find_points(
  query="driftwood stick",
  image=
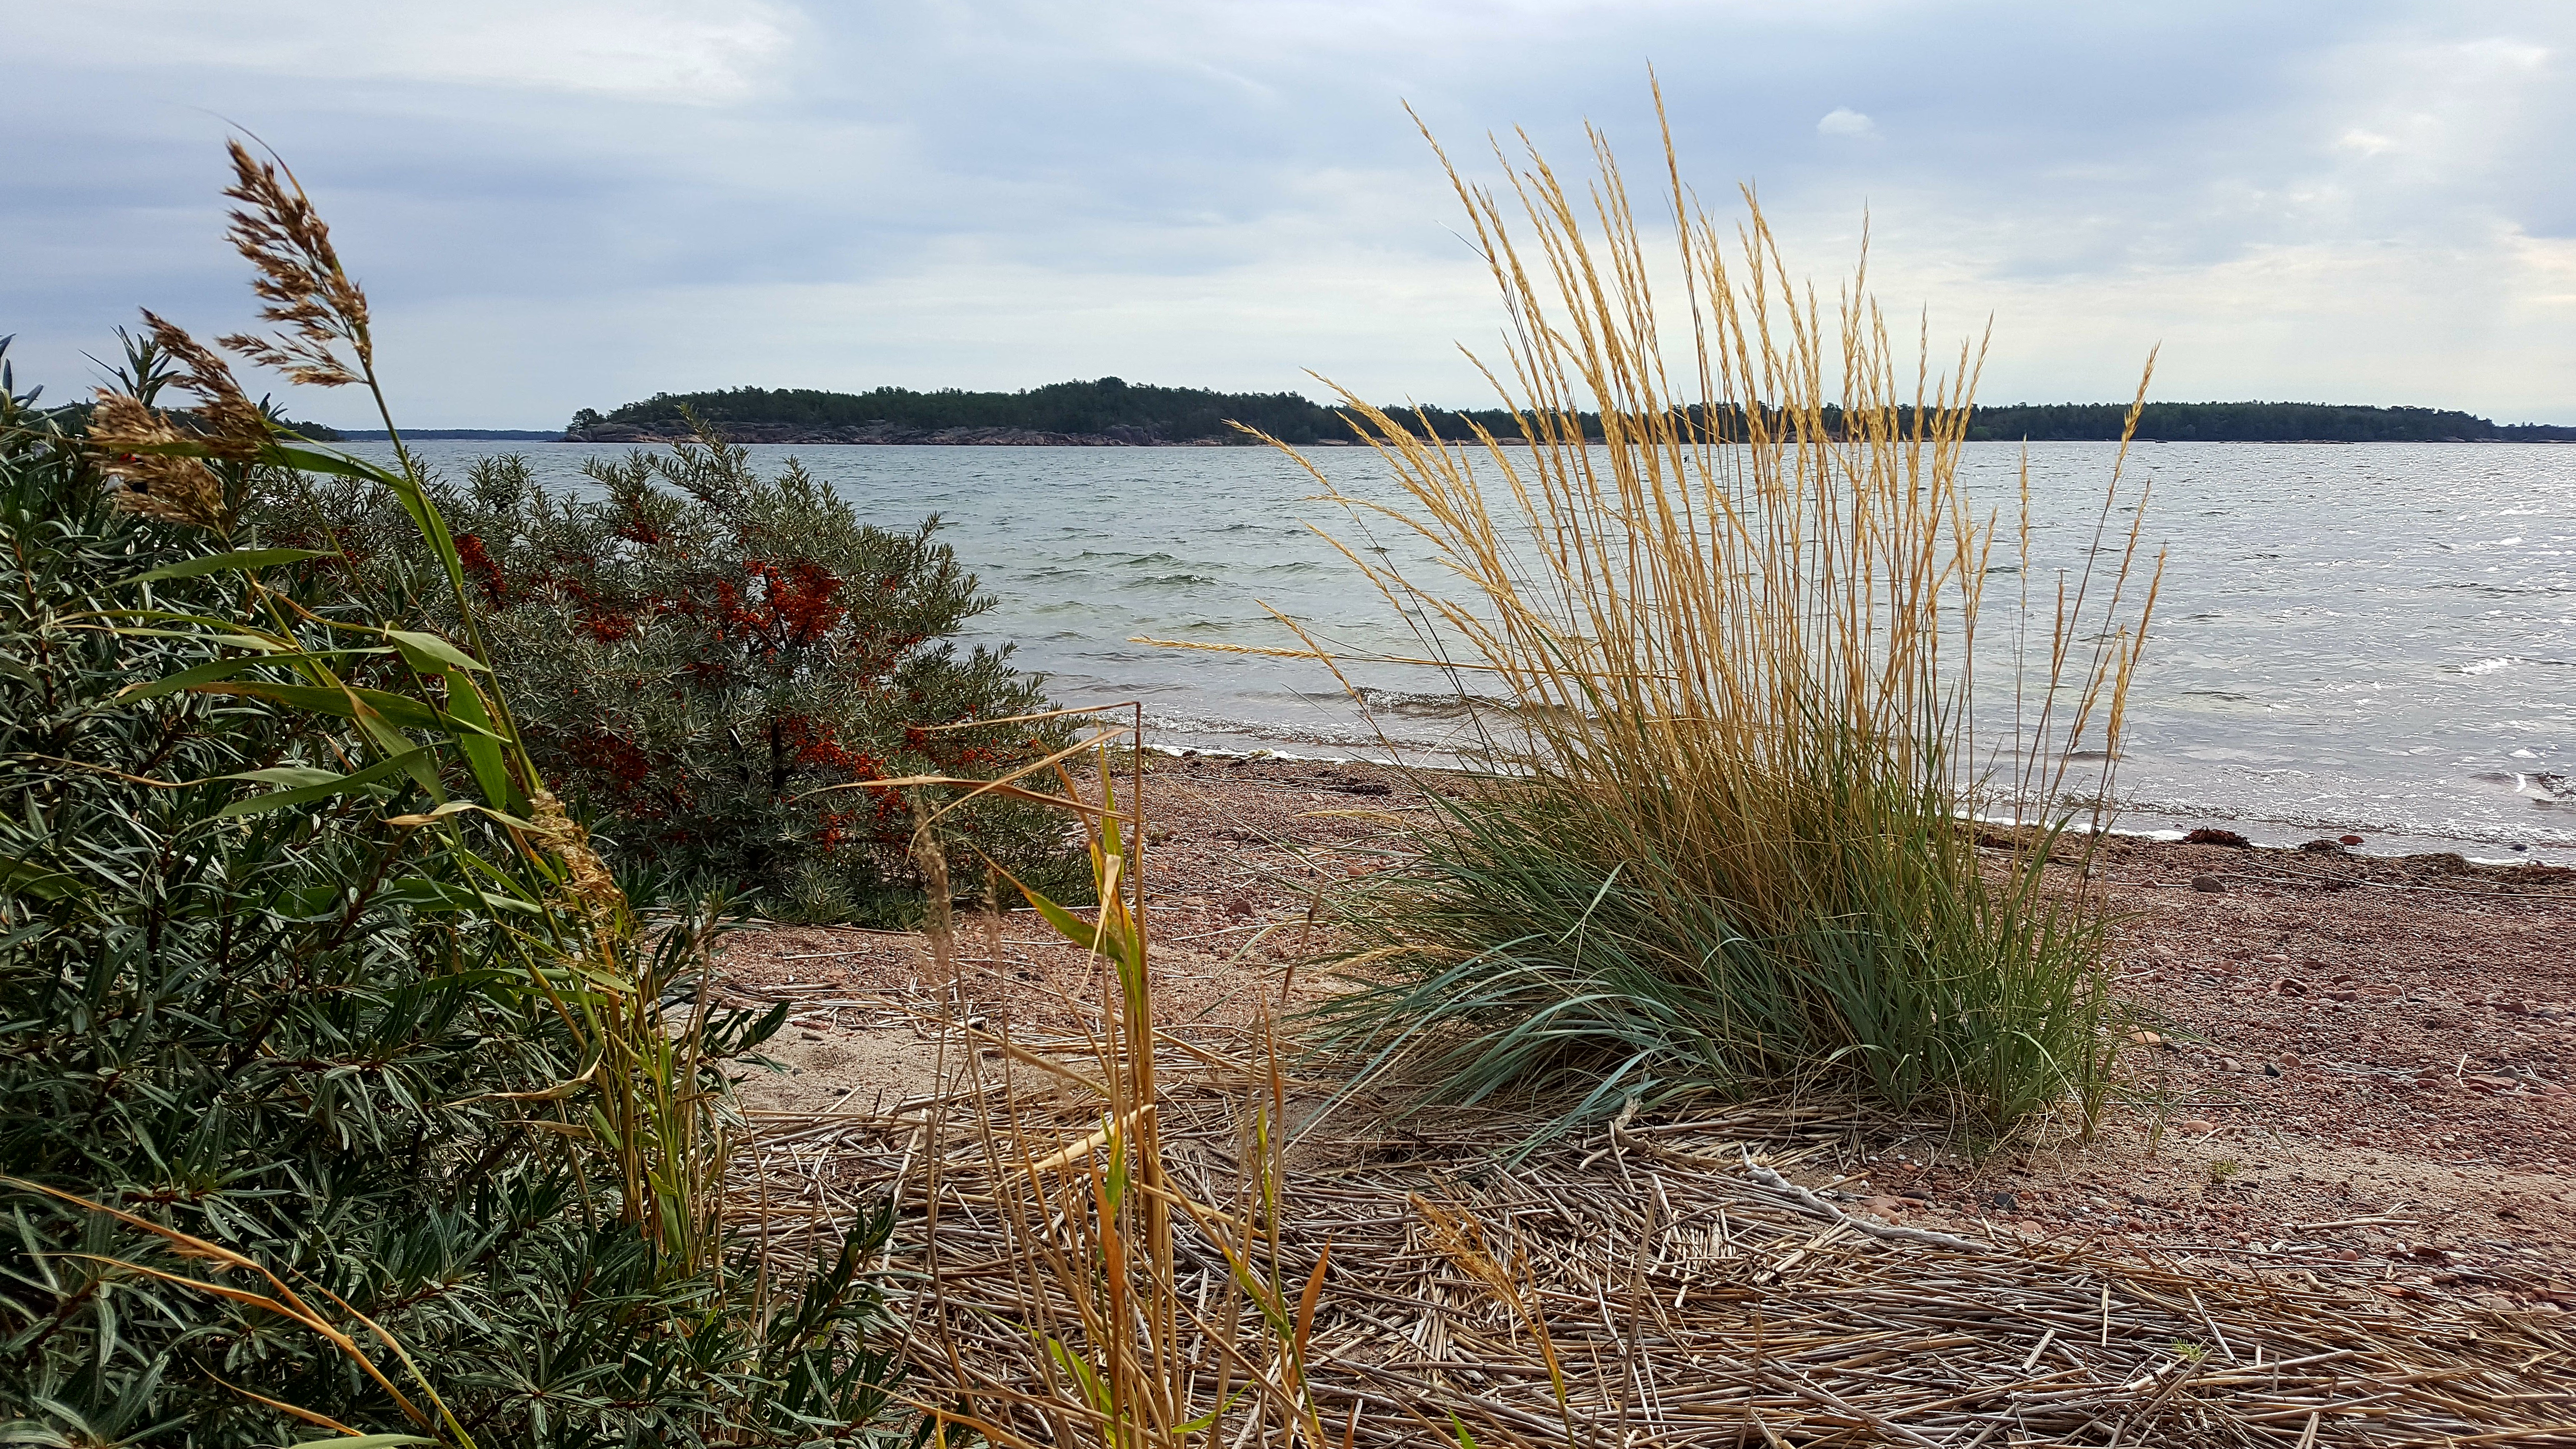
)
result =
(1765, 1177)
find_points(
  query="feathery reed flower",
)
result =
(137, 440)
(592, 884)
(156, 485)
(298, 275)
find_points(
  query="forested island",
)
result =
(1102, 412)
(2252, 422)
(1109, 412)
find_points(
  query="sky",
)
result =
(556, 204)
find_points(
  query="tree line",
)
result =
(1089, 408)
(1185, 414)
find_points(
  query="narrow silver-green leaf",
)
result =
(247, 558)
(325, 788)
(430, 654)
(189, 678)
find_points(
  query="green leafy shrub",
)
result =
(336, 1092)
(700, 649)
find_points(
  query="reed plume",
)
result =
(297, 274)
(162, 464)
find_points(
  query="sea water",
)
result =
(2372, 639)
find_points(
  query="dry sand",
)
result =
(2350, 1065)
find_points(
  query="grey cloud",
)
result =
(1202, 192)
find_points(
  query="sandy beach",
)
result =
(2351, 1065)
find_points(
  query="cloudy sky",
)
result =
(567, 203)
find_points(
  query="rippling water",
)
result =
(2376, 639)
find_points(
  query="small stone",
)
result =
(2209, 885)
(2230, 1064)
(2197, 1126)
(2348, 840)
(2143, 1037)
(2289, 1060)
(2290, 986)
(1887, 1207)
(2002, 1202)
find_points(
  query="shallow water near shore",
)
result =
(2371, 639)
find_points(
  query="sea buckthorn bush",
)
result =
(336, 1089)
(703, 652)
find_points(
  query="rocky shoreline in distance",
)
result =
(1116, 436)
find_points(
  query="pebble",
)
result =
(2209, 885)
(2195, 1125)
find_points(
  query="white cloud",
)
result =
(1844, 121)
(646, 49)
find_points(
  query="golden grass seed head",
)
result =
(593, 887)
(156, 485)
(232, 424)
(298, 276)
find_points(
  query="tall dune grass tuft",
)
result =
(1725, 849)
(1099, 1292)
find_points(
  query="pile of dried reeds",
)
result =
(1659, 1283)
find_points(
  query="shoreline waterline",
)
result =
(2263, 835)
(2377, 641)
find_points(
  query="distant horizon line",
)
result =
(497, 434)
(536, 434)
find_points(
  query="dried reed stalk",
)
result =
(1637, 1287)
